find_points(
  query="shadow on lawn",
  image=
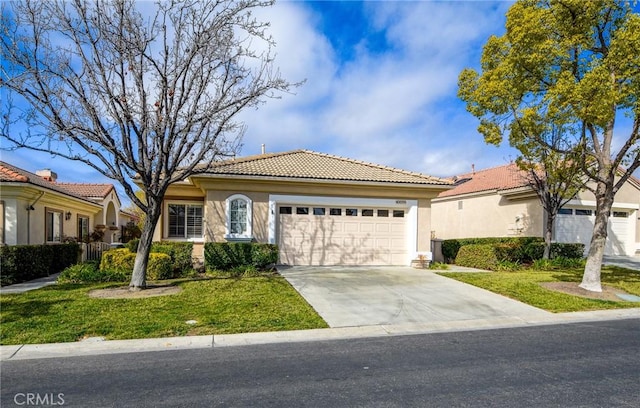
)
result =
(17, 308)
(609, 274)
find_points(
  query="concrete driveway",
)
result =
(628, 262)
(364, 296)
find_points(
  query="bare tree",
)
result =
(135, 90)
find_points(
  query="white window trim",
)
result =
(227, 227)
(165, 231)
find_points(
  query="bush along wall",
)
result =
(482, 256)
(122, 260)
(180, 253)
(490, 256)
(450, 247)
(229, 255)
(21, 263)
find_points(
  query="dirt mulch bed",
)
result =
(126, 293)
(572, 288)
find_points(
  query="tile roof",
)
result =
(13, 174)
(306, 164)
(87, 190)
(497, 178)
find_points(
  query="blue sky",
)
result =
(381, 83)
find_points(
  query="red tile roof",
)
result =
(13, 174)
(8, 173)
(497, 178)
(87, 190)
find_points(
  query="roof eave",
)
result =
(431, 186)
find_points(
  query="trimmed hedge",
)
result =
(180, 253)
(450, 247)
(482, 256)
(122, 260)
(21, 263)
(514, 249)
(89, 272)
(229, 255)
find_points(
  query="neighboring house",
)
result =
(36, 209)
(320, 209)
(498, 202)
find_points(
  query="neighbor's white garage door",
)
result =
(576, 225)
(323, 235)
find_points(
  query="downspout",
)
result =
(29, 209)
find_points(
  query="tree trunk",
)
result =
(139, 276)
(604, 202)
(548, 234)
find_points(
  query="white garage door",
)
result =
(576, 225)
(324, 235)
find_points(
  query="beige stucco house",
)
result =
(320, 209)
(498, 202)
(36, 209)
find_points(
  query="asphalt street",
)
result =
(593, 364)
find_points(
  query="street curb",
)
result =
(90, 348)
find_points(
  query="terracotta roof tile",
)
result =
(497, 178)
(306, 164)
(9, 174)
(13, 174)
(87, 190)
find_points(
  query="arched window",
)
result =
(239, 217)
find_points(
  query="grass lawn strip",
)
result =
(525, 286)
(65, 313)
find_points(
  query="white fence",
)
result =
(93, 250)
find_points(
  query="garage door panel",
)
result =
(397, 228)
(579, 228)
(380, 227)
(367, 227)
(341, 240)
(350, 227)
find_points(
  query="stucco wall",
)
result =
(216, 218)
(24, 226)
(486, 216)
(217, 191)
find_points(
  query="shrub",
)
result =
(132, 245)
(90, 272)
(507, 266)
(229, 255)
(450, 247)
(122, 260)
(159, 267)
(180, 253)
(480, 256)
(572, 251)
(438, 266)
(20, 263)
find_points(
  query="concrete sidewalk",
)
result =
(97, 347)
(30, 285)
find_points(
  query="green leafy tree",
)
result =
(556, 179)
(574, 64)
(134, 89)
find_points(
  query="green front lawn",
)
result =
(64, 313)
(525, 287)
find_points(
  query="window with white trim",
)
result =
(185, 220)
(53, 225)
(239, 217)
